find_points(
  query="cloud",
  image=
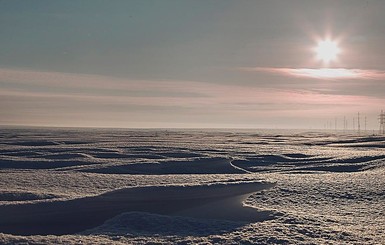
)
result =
(106, 89)
(55, 98)
(321, 73)
(87, 86)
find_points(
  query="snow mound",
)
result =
(212, 201)
(10, 196)
(141, 223)
(196, 166)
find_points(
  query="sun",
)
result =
(327, 50)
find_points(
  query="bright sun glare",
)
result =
(327, 50)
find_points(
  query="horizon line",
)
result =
(177, 128)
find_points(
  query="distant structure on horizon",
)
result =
(359, 124)
(381, 119)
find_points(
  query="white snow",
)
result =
(329, 188)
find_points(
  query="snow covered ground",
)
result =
(115, 186)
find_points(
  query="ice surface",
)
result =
(329, 188)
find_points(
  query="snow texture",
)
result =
(187, 187)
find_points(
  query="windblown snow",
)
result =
(116, 186)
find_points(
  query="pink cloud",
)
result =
(322, 73)
(204, 94)
(85, 94)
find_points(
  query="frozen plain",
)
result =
(66, 186)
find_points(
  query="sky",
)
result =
(191, 64)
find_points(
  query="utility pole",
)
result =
(354, 124)
(358, 123)
(335, 124)
(347, 126)
(381, 120)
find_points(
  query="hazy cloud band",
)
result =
(321, 73)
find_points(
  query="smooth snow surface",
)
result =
(190, 186)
